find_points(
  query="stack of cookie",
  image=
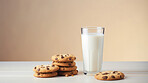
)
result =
(44, 71)
(66, 64)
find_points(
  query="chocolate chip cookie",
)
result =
(67, 68)
(64, 63)
(109, 75)
(63, 58)
(45, 68)
(45, 75)
(68, 73)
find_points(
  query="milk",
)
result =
(92, 46)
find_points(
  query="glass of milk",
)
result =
(92, 49)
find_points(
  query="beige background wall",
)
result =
(37, 29)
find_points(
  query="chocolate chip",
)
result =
(38, 73)
(69, 64)
(65, 55)
(63, 68)
(115, 72)
(121, 77)
(104, 77)
(105, 73)
(97, 74)
(53, 65)
(57, 55)
(34, 67)
(53, 61)
(71, 73)
(118, 73)
(38, 69)
(56, 58)
(47, 68)
(62, 57)
(75, 58)
(113, 76)
(69, 58)
(42, 67)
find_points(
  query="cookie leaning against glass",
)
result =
(44, 71)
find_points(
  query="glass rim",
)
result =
(92, 27)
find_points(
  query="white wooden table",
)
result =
(21, 72)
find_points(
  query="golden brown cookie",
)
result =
(64, 63)
(45, 75)
(68, 73)
(67, 68)
(45, 68)
(109, 75)
(63, 58)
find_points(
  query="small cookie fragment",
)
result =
(45, 68)
(66, 75)
(45, 75)
(109, 75)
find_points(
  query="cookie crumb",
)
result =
(66, 75)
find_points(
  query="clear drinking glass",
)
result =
(92, 49)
